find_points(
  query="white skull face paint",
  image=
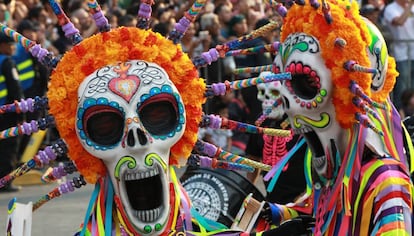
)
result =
(129, 115)
(378, 56)
(307, 97)
(269, 95)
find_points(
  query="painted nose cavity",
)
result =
(134, 138)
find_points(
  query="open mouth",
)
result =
(143, 192)
(319, 159)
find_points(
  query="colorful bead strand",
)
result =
(182, 25)
(207, 162)
(354, 66)
(25, 105)
(213, 54)
(55, 173)
(71, 32)
(41, 54)
(272, 48)
(28, 128)
(42, 157)
(280, 9)
(67, 187)
(256, 69)
(210, 150)
(144, 14)
(100, 20)
(357, 90)
(217, 122)
(217, 89)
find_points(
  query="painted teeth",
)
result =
(148, 215)
(142, 174)
(320, 164)
(302, 130)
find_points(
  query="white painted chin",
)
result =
(145, 197)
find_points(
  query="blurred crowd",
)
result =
(219, 21)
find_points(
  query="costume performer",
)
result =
(338, 99)
(150, 92)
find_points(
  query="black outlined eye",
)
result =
(159, 114)
(103, 124)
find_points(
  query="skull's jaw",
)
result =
(144, 194)
(320, 160)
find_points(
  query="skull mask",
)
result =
(268, 94)
(308, 95)
(130, 115)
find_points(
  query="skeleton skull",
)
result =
(307, 97)
(130, 115)
(269, 95)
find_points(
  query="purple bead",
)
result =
(182, 25)
(276, 45)
(100, 20)
(205, 161)
(210, 149)
(27, 128)
(69, 29)
(219, 89)
(215, 122)
(282, 11)
(210, 56)
(30, 103)
(59, 171)
(145, 10)
(23, 106)
(38, 52)
(66, 187)
(34, 126)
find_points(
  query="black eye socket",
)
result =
(159, 114)
(304, 86)
(103, 125)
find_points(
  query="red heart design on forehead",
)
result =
(125, 86)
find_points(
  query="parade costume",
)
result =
(150, 91)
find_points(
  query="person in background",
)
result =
(407, 102)
(10, 90)
(399, 17)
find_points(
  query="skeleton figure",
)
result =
(337, 105)
(274, 150)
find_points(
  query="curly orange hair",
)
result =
(108, 48)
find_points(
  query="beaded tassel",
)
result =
(210, 150)
(354, 66)
(213, 54)
(256, 69)
(182, 25)
(217, 122)
(28, 128)
(41, 54)
(98, 15)
(25, 105)
(357, 90)
(326, 9)
(361, 104)
(67, 187)
(217, 89)
(144, 14)
(203, 161)
(364, 120)
(55, 173)
(71, 32)
(280, 9)
(272, 48)
(43, 157)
